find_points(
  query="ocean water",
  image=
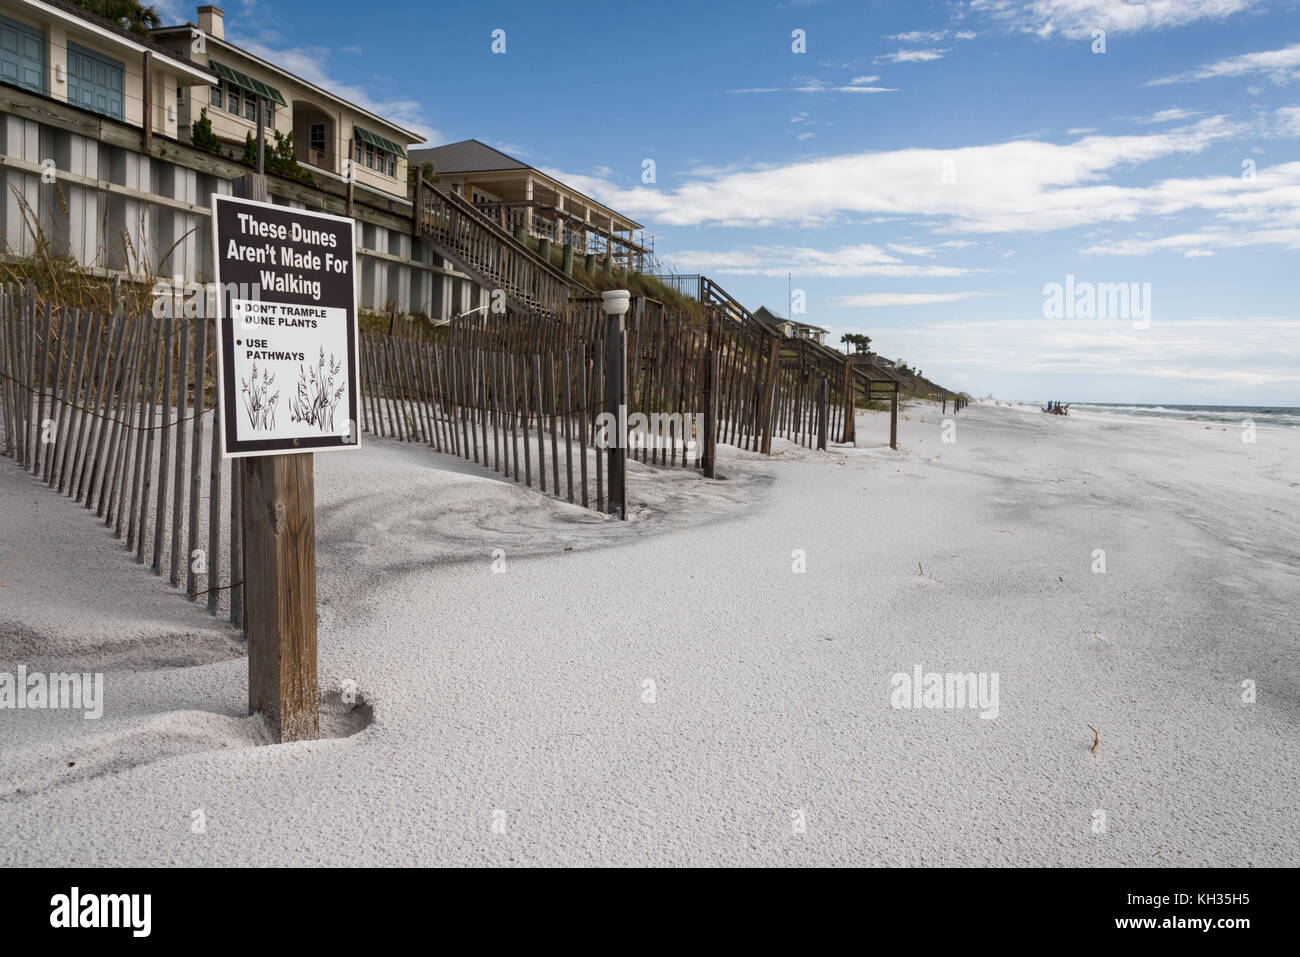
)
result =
(1264, 416)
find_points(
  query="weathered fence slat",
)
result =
(196, 460)
(178, 469)
(165, 443)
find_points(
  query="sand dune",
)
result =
(670, 691)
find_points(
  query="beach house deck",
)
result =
(526, 201)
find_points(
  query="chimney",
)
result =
(212, 22)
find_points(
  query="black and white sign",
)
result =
(286, 328)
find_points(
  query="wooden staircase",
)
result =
(481, 249)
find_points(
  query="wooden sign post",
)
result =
(616, 302)
(288, 385)
(280, 593)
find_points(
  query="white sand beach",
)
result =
(669, 691)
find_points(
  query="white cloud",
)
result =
(918, 36)
(911, 250)
(1288, 121)
(1018, 186)
(816, 86)
(871, 300)
(1197, 243)
(1076, 19)
(912, 56)
(864, 259)
(861, 80)
(1244, 353)
(1167, 116)
(1281, 66)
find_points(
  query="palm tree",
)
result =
(128, 14)
(861, 342)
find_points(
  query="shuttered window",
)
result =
(96, 82)
(22, 55)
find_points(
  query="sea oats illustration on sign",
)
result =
(259, 402)
(317, 396)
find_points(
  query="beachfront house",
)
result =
(98, 163)
(56, 53)
(528, 202)
(790, 328)
(327, 130)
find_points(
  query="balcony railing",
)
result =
(481, 247)
(321, 159)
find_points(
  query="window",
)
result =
(316, 137)
(250, 108)
(217, 97)
(376, 153)
(22, 55)
(96, 82)
(232, 101)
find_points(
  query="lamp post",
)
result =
(616, 302)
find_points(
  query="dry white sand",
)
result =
(669, 691)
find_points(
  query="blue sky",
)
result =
(922, 171)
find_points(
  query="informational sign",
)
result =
(288, 376)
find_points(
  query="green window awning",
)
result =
(245, 82)
(378, 142)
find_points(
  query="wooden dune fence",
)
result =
(118, 414)
(523, 395)
(813, 395)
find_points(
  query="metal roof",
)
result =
(766, 315)
(472, 156)
(467, 156)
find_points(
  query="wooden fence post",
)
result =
(893, 418)
(823, 412)
(616, 303)
(850, 405)
(279, 546)
(765, 416)
(710, 436)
